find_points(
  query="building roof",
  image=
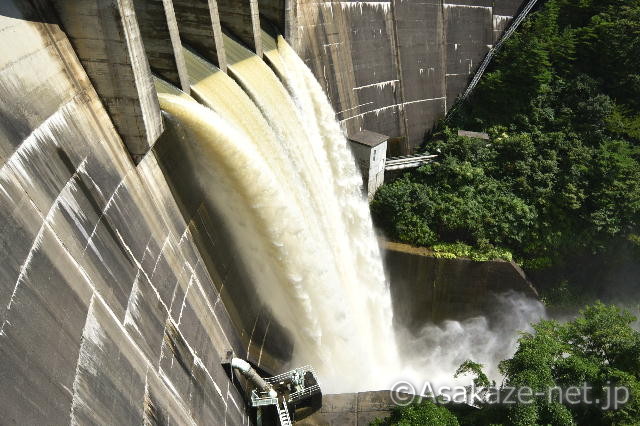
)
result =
(368, 138)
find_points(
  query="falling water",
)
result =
(274, 163)
(435, 354)
(283, 178)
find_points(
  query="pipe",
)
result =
(245, 368)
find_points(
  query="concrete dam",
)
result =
(177, 191)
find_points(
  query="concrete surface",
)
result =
(120, 292)
(161, 38)
(108, 314)
(426, 289)
(370, 152)
(199, 25)
(395, 67)
(241, 19)
(350, 409)
(106, 38)
(264, 341)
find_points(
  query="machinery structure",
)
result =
(280, 391)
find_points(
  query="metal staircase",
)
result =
(283, 414)
(291, 387)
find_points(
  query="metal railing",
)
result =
(408, 161)
(258, 401)
(281, 377)
(304, 393)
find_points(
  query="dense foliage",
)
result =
(561, 171)
(599, 348)
(423, 413)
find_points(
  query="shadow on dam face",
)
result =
(269, 344)
(27, 11)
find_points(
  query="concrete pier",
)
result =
(274, 12)
(199, 24)
(393, 67)
(241, 19)
(159, 30)
(106, 38)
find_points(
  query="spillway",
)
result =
(274, 164)
(144, 248)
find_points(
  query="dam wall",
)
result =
(264, 341)
(121, 295)
(395, 67)
(161, 40)
(109, 313)
(199, 27)
(108, 43)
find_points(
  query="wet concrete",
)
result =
(106, 38)
(120, 293)
(350, 409)
(107, 312)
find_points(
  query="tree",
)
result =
(419, 414)
(598, 351)
(599, 348)
(560, 176)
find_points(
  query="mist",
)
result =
(435, 352)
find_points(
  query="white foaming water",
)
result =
(354, 209)
(297, 208)
(333, 329)
(436, 351)
(277, 166)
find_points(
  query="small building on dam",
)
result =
(370, 152)
(124, 295)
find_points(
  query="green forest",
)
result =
(559, 178)
(560, 174)
(599, 348)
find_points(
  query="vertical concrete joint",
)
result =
(174, 35)
(290, 25)
(106, 39)
(161, 40)
(255, 24)
(217, 35)
(200, 29)
(405, 146)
